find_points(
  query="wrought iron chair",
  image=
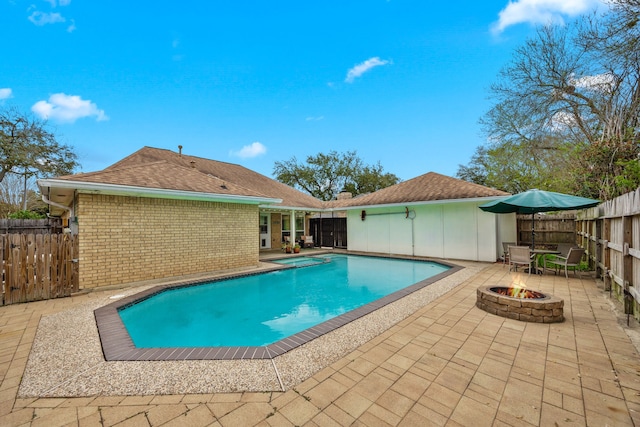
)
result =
(572, 259)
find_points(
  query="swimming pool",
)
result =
(262, 315)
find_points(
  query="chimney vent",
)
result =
(180, 150)
(344, 195)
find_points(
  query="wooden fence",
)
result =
(38, 266)
(30, 226)
(611, 235)
(550, 229)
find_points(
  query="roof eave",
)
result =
(134, 191)
(416, 203)
(292, 208)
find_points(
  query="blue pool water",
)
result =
(264, 308)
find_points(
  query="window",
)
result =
(264, 224)
(286, 226)
(299, 227)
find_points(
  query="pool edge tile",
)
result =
(117, 345)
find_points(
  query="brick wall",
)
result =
(128, 239)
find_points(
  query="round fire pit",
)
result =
(516, 292)
(520, 304)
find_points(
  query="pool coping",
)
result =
(117, 345)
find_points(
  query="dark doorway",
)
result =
(329, 232)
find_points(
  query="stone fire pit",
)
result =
(520, 304)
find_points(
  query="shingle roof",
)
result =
(166, 176)
(163, 169)
(228, 172)
(428, 187)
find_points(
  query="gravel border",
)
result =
(66, 358)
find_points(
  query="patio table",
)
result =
(538, 253)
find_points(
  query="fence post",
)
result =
(627, 263)
(607, 253)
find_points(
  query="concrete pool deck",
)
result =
(445, 363)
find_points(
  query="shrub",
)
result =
(26, 215)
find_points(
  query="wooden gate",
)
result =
(38, 266)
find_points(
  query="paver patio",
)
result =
(449, 363)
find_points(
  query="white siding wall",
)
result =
(507, 229)
(448, 230)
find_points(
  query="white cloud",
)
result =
(562, 120)
(41, 18)
(5, 93)
(314, 119)
(67, 108)
(541, 12)
(249, 151)
(363, 67)
(599, 82)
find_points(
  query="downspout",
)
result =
(58, 205)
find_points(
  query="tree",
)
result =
(12, 195)
(326, 175)
(27, 147)
(567, 90)
(514, 167)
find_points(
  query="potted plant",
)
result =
(296, 248)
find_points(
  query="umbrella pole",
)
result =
(533, 231)
(533, 243)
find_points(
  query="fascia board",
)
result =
(292, 208)
(430, 202)
(125, 190)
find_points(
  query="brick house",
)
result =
(159, 213)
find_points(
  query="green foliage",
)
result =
(370, 179)
(607, 169)
(27, 147)
(325, 175)
(26, 215)
(629, 178)
(517, 167)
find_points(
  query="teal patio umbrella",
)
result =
(535, 201)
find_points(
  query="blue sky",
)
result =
(401, 82)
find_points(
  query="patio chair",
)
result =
(505, 251)
(563, 248)
(572, 259)
(520, 255)
(308, 241)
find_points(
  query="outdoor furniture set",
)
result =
(556, 259)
